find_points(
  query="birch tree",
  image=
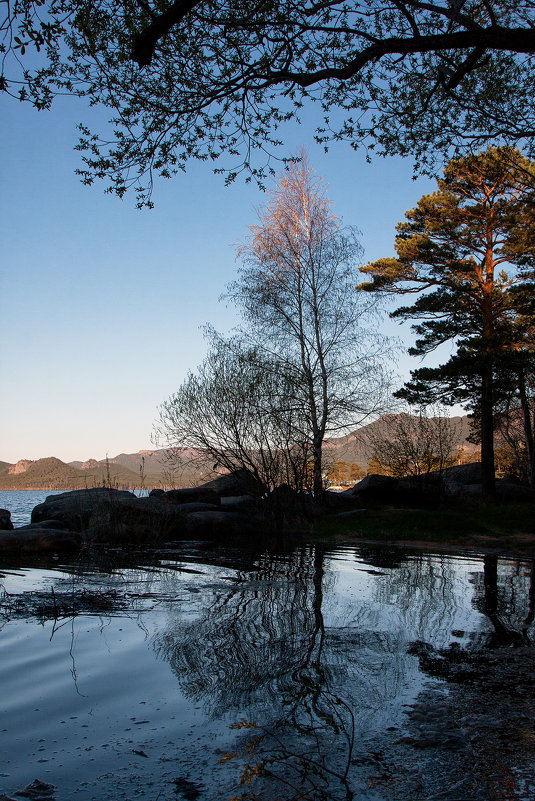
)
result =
(295, 290)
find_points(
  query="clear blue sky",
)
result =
(102, 304)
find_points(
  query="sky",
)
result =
(102, 305)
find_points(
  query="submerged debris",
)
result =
(186, 789)
(38, 791)
(52, 605)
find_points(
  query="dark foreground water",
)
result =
(133, 676)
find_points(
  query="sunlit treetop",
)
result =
(216, 81)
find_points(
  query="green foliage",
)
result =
(217, 81)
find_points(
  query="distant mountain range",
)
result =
(145, 469)
(149, 469)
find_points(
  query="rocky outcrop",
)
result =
(90, 464)
(372, 489)
(220, 524)
(460, 481)
(376, 490)
(287, 505)
(37, 539)
(124, 517)
(114, 516)
(20, 467)
(5, 520)
(240, 482)
(191, 495)
(74, 509)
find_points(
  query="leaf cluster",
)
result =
(216, 81)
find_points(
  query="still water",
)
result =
(138, 674)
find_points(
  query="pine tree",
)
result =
(468, 252)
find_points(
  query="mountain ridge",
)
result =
(147, 469)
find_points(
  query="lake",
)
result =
(135, 675)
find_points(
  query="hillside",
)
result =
(149, 469)
(357, 446)
(53, 474)
(154, 462)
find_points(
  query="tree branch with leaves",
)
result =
(217, 81)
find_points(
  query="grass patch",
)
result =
(446, 524)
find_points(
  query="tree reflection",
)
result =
(505, 594)
(308, 680)
(258, 651)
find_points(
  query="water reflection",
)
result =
(260, 651)
(306, 652)
(505, 594)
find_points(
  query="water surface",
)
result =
(164, 663)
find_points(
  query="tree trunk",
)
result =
(528, 428)
(317, 481)
(488, 478)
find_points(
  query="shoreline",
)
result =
(504, 529)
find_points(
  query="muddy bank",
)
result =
(471, 739)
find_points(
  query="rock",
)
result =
(56, 524)
(237, 502)
(33, 539)
(239, 482)
(149, 519)
(190, 495)
(120, 533)
(38, 791)
(5, 520)
(374, 490)
(21, 467)
(412, 491)
(461, 473)
(287, 504)
(507, 490)
(219, 524)
(91, 464)
(341, 501)
(75, 508)
(188, 508)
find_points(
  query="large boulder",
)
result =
(461, 473)
(34, 539)
(223, 525)
(189, 495)
(123, 519)
(239, 482)
(513, 491)
(74, 509)
(374, 490)
(286, 505)
(238, 503)
(5, 520)
(411, 491)
(464, 480)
